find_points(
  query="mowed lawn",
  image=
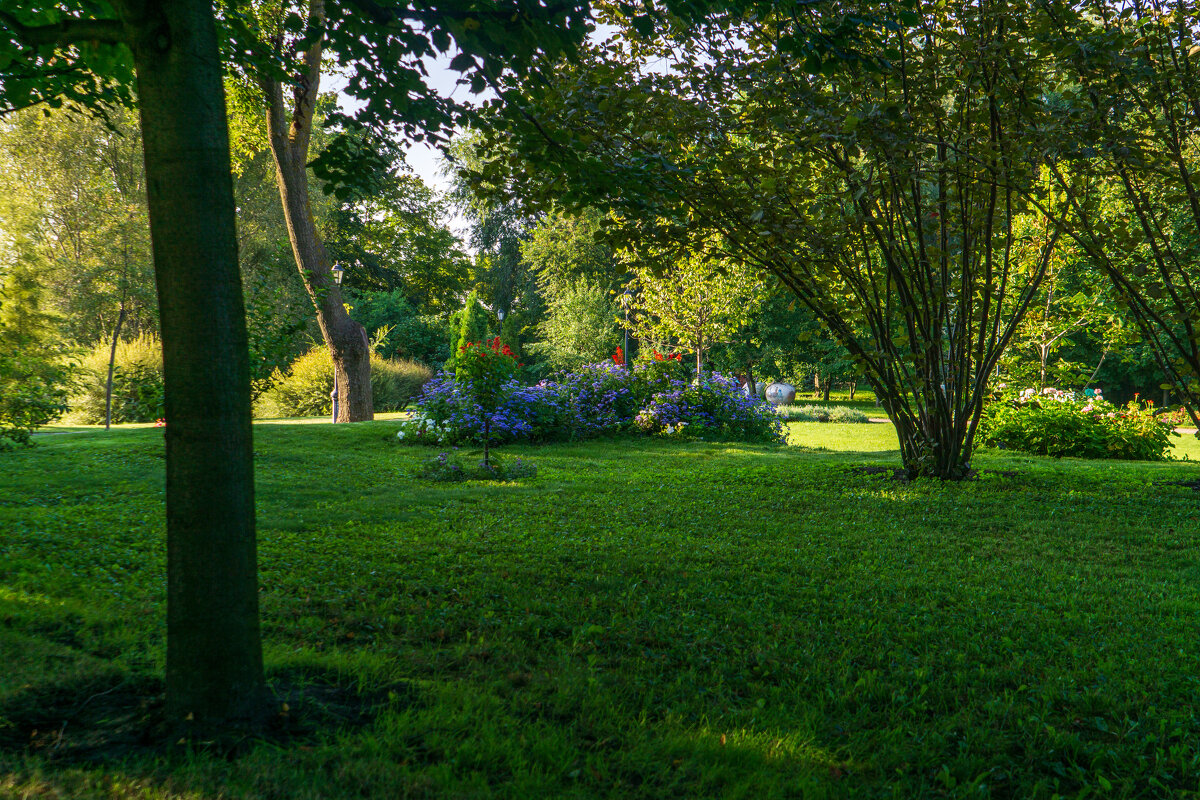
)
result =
(642, 619)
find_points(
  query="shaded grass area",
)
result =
(642, 619)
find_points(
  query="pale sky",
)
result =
(426, 161)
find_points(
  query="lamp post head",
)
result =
(500, 314)
(338, 271)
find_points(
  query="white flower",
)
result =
(400, 435)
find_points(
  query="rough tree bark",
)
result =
(214, 652)
(289, 131)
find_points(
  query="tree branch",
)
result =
(68, 31)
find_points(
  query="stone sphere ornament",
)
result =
(781, 394)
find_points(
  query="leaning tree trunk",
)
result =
(214, 651)
(112, 364)
(289, 132)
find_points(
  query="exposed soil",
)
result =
(111, 718)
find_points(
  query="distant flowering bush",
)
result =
(596, 400)
(1054, 422)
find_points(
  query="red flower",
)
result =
(658, 356)
(619, 357)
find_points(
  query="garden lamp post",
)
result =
(338, 271)
(628, 295)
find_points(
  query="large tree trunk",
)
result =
(289, 133)
(214, 651)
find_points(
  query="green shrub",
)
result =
(410, 335)
(33, 392)
(1057, 423)
(304, 389)
(579, 328)
(396, 381)
(137, 392)
(821, 414)
(35, 373)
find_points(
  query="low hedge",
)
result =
(1060, 423)
(303, 389)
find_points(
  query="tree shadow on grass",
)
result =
(112, 717)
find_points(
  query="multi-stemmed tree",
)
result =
(1127, 159)
(876, 159)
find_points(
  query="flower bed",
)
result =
(598, 400)
(1060, 423)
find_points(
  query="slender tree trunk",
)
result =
(289, 132)
(750, 384)
(214, 652)
(853, 388)
(825, 389)
(112, 362)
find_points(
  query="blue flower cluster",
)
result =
(596, 400)
(714, 404)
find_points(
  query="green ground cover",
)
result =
(642, 619)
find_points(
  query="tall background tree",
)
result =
(694, 300)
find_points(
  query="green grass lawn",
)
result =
(642, 619)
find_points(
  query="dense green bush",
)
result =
(410, 335)
(304, 389)
(821, 414)
(1057, 423)
(580, 327)
(33, 392)
(137, 393)
(35, 373)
